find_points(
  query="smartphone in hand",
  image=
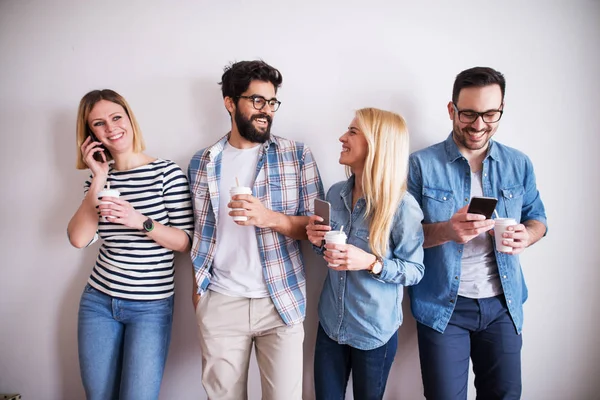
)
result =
(323, 210)
(482, 205)
(97, 156)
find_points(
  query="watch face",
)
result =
(377, 268)
(148, 225)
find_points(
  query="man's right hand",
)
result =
(464, 227)
(315, 232)
(195, 300)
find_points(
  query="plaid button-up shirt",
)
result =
(287, 181)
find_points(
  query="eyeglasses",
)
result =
(470, 116)
(259, 102)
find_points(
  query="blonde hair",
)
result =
(86, 105)
(384, 178)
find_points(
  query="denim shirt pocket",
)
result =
(512, 199)
(438, 204)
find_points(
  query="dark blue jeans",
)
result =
(370, 368)
(482, 330)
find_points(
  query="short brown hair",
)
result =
(86, 105)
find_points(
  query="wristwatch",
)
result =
(376, 267)
(148, 225)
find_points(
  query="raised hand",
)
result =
(316, 232)
(88, 149)
(463, 227)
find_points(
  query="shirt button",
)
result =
(456, 277)
(460, 251)
(443, 198)
(504, 276)
(451, 301)
(510, 195)
(466, 199)
(509, 301)
(484, 174)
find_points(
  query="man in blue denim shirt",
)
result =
(470, 301)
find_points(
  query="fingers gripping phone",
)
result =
(323, 210)
(482, 205)
(97, 155)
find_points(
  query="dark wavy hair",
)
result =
(237, 77)
(477, 77)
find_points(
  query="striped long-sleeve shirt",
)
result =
(287, 181)
(130, 265)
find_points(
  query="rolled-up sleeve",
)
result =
(405, 266)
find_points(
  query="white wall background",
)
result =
(336, 56)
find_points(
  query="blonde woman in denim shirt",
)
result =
(360, 306)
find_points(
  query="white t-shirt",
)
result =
(237, 268)
(479, 272)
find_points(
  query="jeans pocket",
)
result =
(165, 305)
(202, 303)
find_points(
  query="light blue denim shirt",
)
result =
(440, 180)
(357, 308)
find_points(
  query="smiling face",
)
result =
(474, 137)
(252, 124)
(111, 126)
(354, 148)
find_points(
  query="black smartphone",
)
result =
(323, 210)
(482, 205)
(97, 155)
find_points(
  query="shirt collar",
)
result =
(346, 192)
(218, 147)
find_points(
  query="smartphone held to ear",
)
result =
(482, 205)
(323, 210)
(97, 155)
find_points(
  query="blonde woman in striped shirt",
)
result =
(126, 309)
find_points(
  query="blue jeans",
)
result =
(482, 330)
(370, 368)
(123, 345)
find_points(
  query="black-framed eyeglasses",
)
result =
(470, 116)
(259, 102)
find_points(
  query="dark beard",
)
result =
(248, 131)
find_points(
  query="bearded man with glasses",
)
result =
(249, 282)
(469, 303)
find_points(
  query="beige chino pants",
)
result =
(228, 327)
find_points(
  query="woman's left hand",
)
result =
(347, 257)
(121, 212)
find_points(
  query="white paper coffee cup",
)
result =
(108, 193)
(335, 237)
(239, 190)
(499, 228)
